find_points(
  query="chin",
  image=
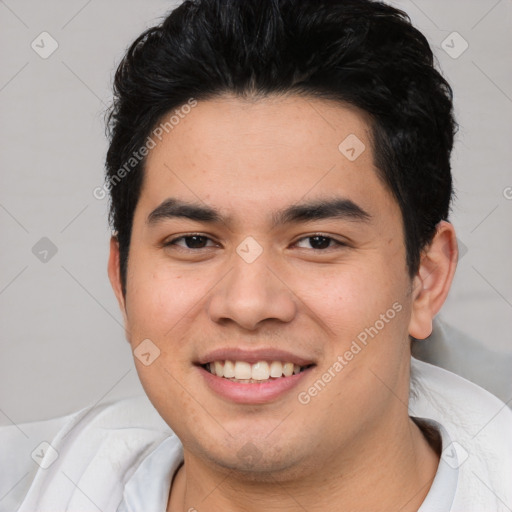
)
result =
(257, 463)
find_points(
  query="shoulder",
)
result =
(23, 446)
(100, 446)
(480, 428)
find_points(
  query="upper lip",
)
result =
(253, 356)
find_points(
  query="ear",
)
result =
(114, 274)
(432, 283)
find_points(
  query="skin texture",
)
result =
(353, 446)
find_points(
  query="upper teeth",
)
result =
(261, 370)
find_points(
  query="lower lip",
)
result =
(252, 393)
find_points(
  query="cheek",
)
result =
(159, 297)
(350, 298)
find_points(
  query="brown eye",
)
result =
(319, 242)
(190, 242)
(195, 241)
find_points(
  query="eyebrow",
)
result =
(337, 208)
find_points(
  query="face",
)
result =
(260, 241)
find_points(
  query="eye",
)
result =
(191, 241)
(320, 242)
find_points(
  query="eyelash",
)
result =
(172, 242)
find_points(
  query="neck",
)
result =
(378, 472)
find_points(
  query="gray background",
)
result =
(62, 341)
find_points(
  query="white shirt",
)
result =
(121, 456)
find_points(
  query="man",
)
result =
(280, 181)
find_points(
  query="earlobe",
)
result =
(433, 280)
(114, 273)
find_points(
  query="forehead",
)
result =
(237, 153)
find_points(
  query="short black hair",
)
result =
(361, 52)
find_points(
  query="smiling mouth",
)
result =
(260, 372)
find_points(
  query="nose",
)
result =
(250, 294)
